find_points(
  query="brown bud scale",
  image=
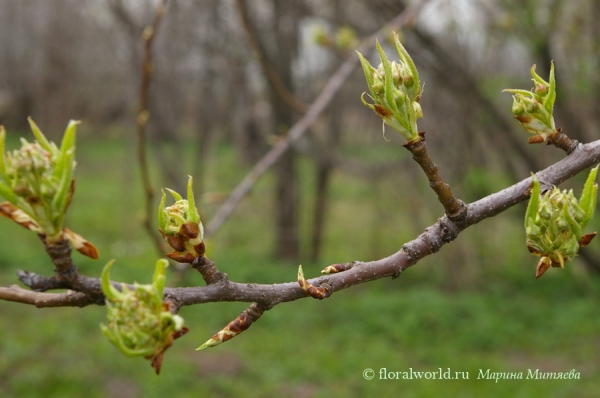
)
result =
(189, 230)
(335, 268)
(586, 239)
(536, 139)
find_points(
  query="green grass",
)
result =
(475, 305)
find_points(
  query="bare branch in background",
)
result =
(262, 60)
(142, 120)
(295, 132)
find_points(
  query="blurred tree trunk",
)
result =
(251, 144)
(285, 30)
(325, 162)
(325, 166)
(596, 59)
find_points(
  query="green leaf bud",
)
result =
(534, 109)
(395, 91)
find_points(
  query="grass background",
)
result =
(475, 305)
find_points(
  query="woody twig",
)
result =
(455, 209)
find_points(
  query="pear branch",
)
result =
(45, 300)
(456, 210)
(430, 241)
(208, 269)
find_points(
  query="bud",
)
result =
(37, 181)
(320, 36)
(345, 38)
(233, 328)
(533, 109)
(139, 322)
(335, 268)
(554, 223)
(318, 292)
(395, 90)
(181, 227)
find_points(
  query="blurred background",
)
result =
(343, 193)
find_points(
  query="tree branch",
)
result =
(455, 208)
(428, 242)
(45, 300)
(142, 121)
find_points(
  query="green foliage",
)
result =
(534, 109)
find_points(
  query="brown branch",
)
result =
(208, 269)
(428, 242)
(44, 300)
(262, 60)
(456, 210)
(77, 282)
(40, 283)
(142, 121)
(60, 254)
(335, 82)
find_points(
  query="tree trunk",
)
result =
(286, 40)
(324, 169)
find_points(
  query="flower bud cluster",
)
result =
(395, 90)
(37, 182)
(37, 179)
(554, 223)
(139, 322)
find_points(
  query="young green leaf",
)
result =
(368, 70)
(389, 80)
(534, 200)
(408, 62)
(39, 136)
(551, 96)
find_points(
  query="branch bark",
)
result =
(455, 208)
(45, 300)
(428, 242)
